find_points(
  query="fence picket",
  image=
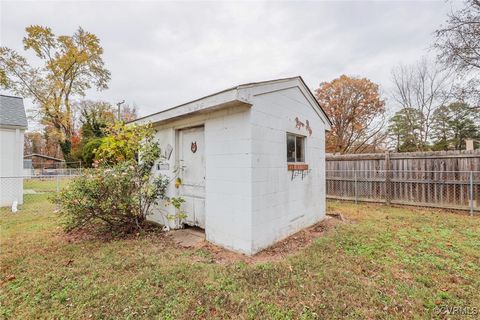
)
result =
(448, 179)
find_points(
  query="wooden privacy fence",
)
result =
(446, 179)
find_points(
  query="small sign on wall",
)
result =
(297, 167)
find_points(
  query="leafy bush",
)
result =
(118, 194)
(89, 150)
(118, 198)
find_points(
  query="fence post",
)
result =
(471, 193)
(388, 178)
(355, 186)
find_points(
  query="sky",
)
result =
(162, 54)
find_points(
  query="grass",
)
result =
(386, 263)
(48, 184)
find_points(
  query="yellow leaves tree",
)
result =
(69, 66)
(357, 112)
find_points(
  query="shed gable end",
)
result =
(294, 91)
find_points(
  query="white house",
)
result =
(254, 162)
(13, 123)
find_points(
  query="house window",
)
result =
(295, 148)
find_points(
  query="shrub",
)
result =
(118, 199)
(89, 150)
(118, 194)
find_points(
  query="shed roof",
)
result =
(12, 112)
(227, 97)
(43, 156)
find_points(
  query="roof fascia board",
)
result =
(215, 101)
(43, 157)
(309, 95)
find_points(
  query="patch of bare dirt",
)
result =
(93, 233)
(79, 235)
(216, 254)
(279, 250)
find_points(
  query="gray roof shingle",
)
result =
(12, 112)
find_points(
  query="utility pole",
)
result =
(118, 105)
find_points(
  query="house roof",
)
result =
(43, 157)
(230, 96)
(12, 112)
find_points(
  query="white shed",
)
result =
(254, 162)
(13, 123)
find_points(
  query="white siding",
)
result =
(282, 206)
(11, 165)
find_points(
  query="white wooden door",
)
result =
(192, 157)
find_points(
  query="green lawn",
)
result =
(385, 263)
(47, 184)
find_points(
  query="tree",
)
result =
(41, 142)
(405, 130)
(356, 110)
(95, 118)
(454, 123)
(458, 44)
(33, 142)
(458, 41)
(419, 89)
(128, 113)
(70, 65)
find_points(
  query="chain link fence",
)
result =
(443, 189)
(52, 172)
(17, 188)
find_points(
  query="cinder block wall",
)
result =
(229, 180)
(282, 206)
(228, 188)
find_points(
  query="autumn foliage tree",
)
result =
(356, 110)
(69, 66)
